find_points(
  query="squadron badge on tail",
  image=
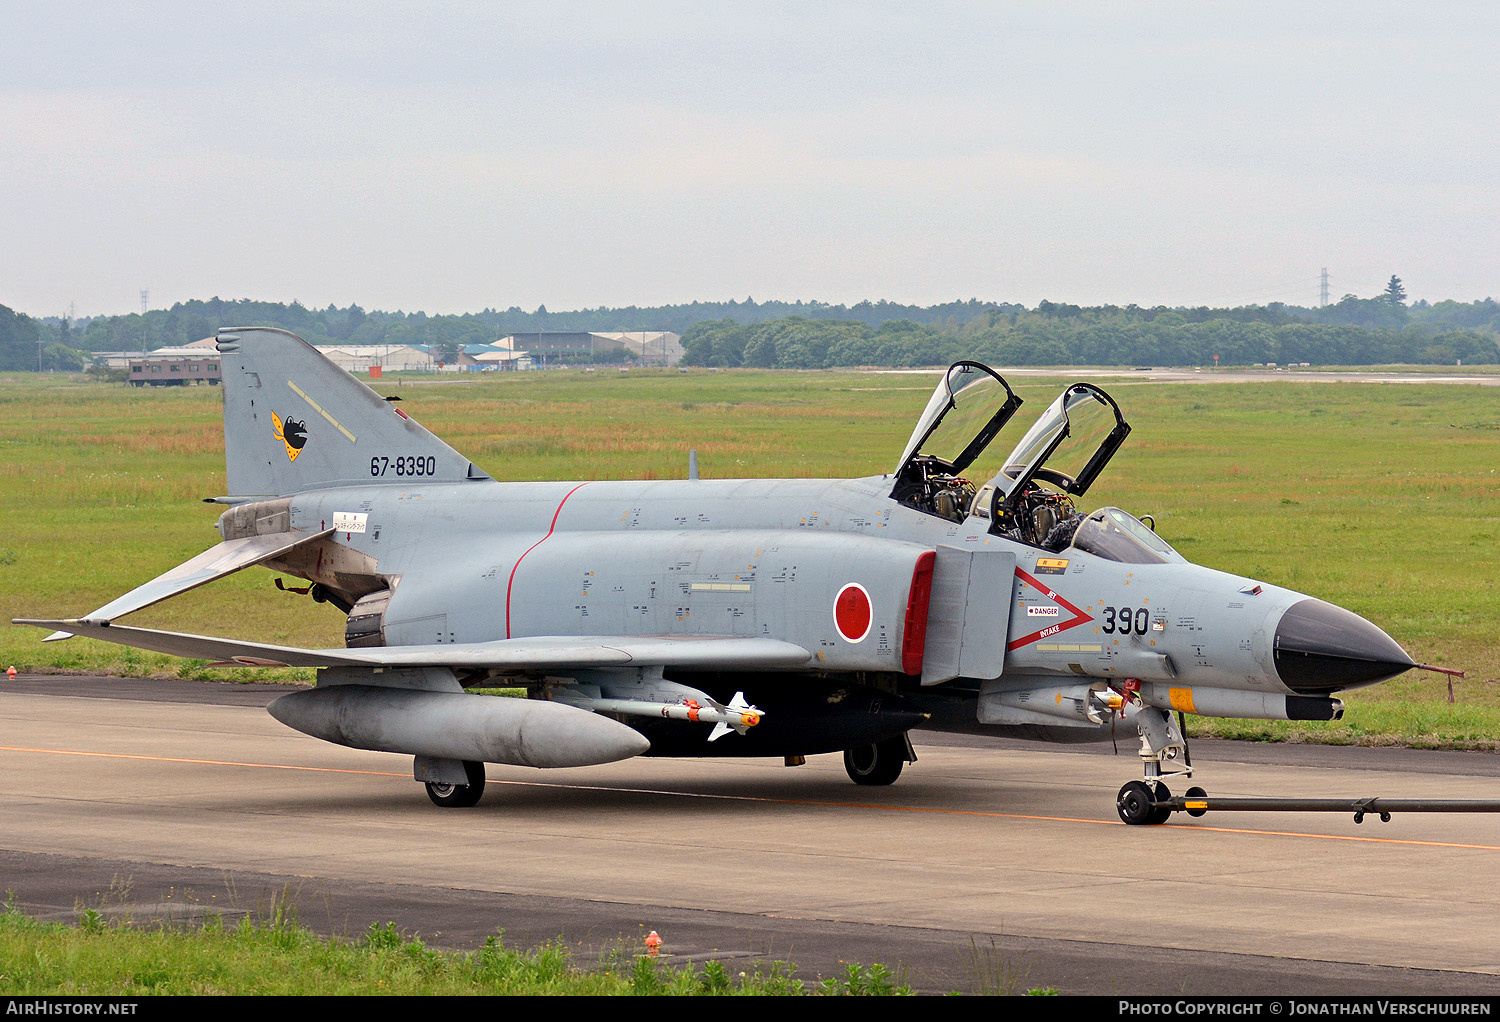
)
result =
(291, 433)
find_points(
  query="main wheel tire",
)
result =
(459, 796)
(876, 764)
(1135, 804)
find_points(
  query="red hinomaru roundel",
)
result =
(852, 613)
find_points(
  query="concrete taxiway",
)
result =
(987, 866)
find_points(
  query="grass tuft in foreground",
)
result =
(277, 956)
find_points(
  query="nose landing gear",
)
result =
(1163, 754)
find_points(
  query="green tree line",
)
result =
(189, 321)
(1070, 335)
(1352, 331)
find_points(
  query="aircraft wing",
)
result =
(224, 559)
(546, 652)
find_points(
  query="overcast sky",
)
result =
(450, 157)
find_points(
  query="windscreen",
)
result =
(1118, 536)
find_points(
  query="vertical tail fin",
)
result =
(294, 421)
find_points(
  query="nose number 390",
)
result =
(1126, 620)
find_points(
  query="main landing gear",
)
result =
(879, 763)
(459, 796)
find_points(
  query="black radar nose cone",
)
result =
(1321, 648)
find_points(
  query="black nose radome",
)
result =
(1321, 648)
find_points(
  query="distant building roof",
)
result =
(653, 347)
(356, 357)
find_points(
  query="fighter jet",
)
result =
(735, 617)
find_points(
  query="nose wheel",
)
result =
(1146, 802)
(1141, 802)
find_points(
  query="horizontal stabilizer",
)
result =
(224, 559)
(552, 652)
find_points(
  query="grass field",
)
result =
(1379, 497)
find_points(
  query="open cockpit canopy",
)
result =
(1031, 498)
(1068, 446)
(969, 407)
(1029, 495)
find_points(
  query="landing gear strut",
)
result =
(459, 796)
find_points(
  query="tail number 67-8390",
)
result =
(408, 465)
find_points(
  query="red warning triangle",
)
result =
(1079, 617)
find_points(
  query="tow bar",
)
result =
(1197, 802)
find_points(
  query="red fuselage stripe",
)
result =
(512, 580)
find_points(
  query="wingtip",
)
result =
(47, 623)
(56, 636)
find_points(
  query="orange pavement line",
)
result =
(203, 762)
(1184, 828)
